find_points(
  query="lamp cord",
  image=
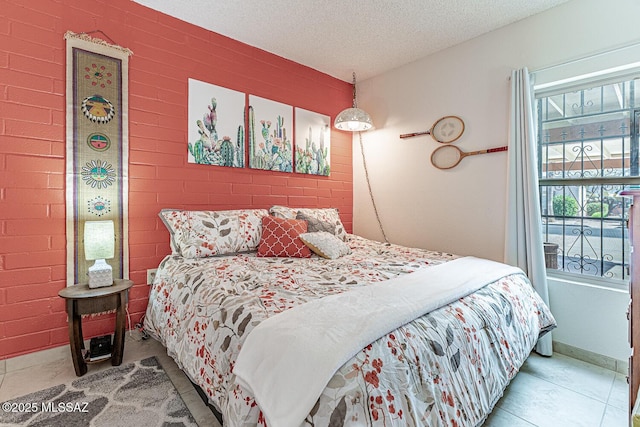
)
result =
(373, 202)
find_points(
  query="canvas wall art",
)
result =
(216, 125)
(312, 143)
(270, 129)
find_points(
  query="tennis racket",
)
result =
(444, 130)
(448, 156)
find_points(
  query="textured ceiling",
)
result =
(338, 37)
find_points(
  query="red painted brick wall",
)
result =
(32, 148)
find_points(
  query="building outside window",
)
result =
(588, 152)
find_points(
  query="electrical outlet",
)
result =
(151, 275)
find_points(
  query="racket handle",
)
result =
(409, 135)
(496, 150)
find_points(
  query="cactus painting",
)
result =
(216, 125)
(313, 143)
(270, 145)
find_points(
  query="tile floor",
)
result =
(28, 376)
(548, 392)
(561, 391)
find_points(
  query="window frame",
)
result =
(586, 182)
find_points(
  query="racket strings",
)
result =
(446, 157)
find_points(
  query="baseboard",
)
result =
(607, 362)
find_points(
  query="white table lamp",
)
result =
(99, 245)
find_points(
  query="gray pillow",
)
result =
(314, 224)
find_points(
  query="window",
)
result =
(588, 152)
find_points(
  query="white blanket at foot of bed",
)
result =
(288, 359)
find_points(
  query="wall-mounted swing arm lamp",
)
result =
(355, 119)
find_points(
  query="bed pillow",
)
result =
(329, 215)
(280, 238)
(172, 218)
(283, 212)
(198, 234)
(250, 221)
(314, 224)
(326, 245)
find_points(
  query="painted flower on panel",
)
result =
(98, 75)
(98, 174)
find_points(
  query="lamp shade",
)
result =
(99, 240)
(353, 119)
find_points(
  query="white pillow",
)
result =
(325, 244)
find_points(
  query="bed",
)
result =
(232, 272)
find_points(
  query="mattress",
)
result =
(448, 367)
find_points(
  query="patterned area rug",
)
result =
(137, 394)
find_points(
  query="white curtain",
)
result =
(523, 235)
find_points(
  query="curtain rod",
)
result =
(587, 57)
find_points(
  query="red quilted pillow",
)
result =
(280, 238)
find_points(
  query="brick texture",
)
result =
(167, 52)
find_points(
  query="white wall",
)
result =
(590, 317)
(462, 210)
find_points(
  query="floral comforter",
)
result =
(447, 368)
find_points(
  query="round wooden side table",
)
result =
(84, 300)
